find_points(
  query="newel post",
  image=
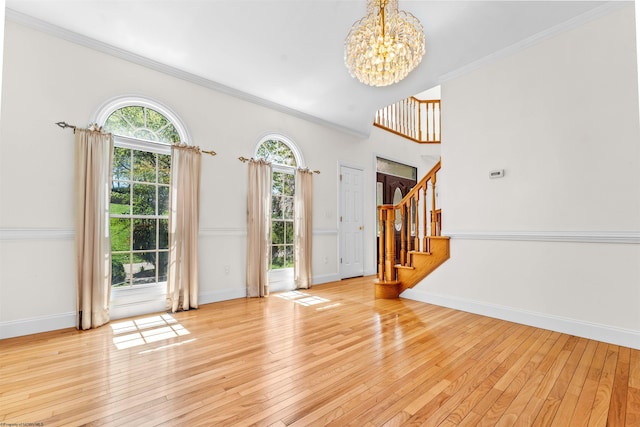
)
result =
(390, 256)
(381, 239)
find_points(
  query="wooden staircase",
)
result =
(416, 222)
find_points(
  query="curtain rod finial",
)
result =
(64, 125)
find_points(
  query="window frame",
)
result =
(156, 217)
(143, 298)
(281, 278)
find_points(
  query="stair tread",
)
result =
(405, 267)
(388, 283)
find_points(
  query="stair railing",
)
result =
(416, 218)
(412, 118)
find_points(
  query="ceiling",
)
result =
(288, 54)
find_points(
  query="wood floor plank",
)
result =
(570, 399)
(600, 409)
(550, 406)
(633, 407)
(618, 401)
(582, 412)
(349, 360)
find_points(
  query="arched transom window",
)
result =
(141, 122)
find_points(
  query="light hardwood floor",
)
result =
(332, 355)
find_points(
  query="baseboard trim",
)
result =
(325, 278)
(35, 325)
(594, 331)
(217, 296)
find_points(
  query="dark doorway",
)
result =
(394, 180)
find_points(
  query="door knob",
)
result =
(361, 228)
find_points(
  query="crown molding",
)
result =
(626, 237)
(537, 38)
(79, 39)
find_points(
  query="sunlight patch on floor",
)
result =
(305, 299)
(136, 332)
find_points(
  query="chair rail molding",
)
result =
(626, 237)
(8, 234)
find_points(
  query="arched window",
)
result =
(285, 158)
(139, 205)
(141, 122)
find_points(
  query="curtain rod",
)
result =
(94, 126)
(244, 160)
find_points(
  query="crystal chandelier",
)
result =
(384, 46)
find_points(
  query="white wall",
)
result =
(556, 242)
(637, 6)
(2, 12)
(47, 80)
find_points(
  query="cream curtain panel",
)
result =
(93, 168)
(258, 228)
(303, 223)
(184, 214)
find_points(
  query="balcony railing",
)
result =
(412, 118)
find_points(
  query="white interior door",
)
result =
(351, 222)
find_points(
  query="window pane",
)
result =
(288, 226)
(277, 257)
(163, 234)
(164, 168)
(142, 123)
(276, 208)
(145, 271)
(163, 200)
(120, 203)
(144, 234)
(163, 258)
(289, 257)
(120, 264)
(287, 207)
(120, 234)
(276, 152)
(288, 184)
(277, 232)
(117, 124)
(121, 163)
(144, 199)
(277, 186)
(144, 166)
